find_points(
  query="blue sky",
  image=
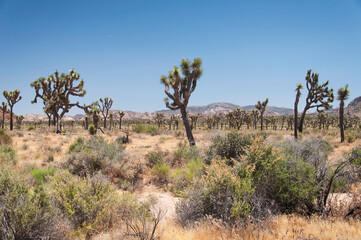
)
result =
(250, 49)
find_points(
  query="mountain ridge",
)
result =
(354, 107)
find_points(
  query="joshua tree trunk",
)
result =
(296, 113)
(187, 127)
(3, 121)
(11, 119)
(342, 104)
(300, 127)
(58, 125)
(261, 121)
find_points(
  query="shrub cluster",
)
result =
(257, 179)
(87, 158)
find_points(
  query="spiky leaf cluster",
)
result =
(12, 97)
(56, 90)
(183, 82)
(319, 95)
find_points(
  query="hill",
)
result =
(223, 107)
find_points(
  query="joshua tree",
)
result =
(111, 116)
(3, 108)
(19, 120)
(262, 108)
(342, 95)
(121, 115)
(12, 97)
(298, 95)
(106, 104)
(159, 119)
(319, 96)
(55, 91)
(182, 87)
(255, 118)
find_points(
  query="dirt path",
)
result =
(166, 201)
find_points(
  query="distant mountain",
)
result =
(223, 107)
(354, 107)
(207, 110)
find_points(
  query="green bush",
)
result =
(161, 172)
(285, 178)
(144, 128)
(7, 155)
(25, 211)
(86, 158)
(183, 177)
(232, 146)
(5, 138)
(40, 174)
(154, 158)
(88, 203)
(219, 193)
(350, 138)
(92, 130)
(355, 156)
(30, 128)
(77, 146)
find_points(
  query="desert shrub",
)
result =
(7, 155)
(123, 140)
(183, 177)
(287, 179)
(154, 158)
(25, 212)
(219, 193)
(232, 146)
(350, 137)
(30, 128)
(5, 139)
(145, 128)
(161, 172)
(141, 219)
(313, 151)
(355, 156)
(184, 154)
(96, 155)
(92, 130)
(88, 203)
(77, 146)
(40, 174)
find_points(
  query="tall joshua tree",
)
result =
(121, 115)
(55, 91)
(106, 104)
(183, 87)
(298, 95)
(12, 97)
(3, 108)
(342, 95)
(261, 106)
(319, 96)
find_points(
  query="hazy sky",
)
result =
(250, 49)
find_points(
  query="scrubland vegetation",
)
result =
(245, 184)
(239, 175)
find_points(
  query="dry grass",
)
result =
(280, 227)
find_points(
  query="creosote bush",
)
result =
(7, 155)
(88, 203)
(86, 158)
(5, 139)
(145, 128)
(219, 193)
(25, 211)
(264, 180)
(232, 146)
